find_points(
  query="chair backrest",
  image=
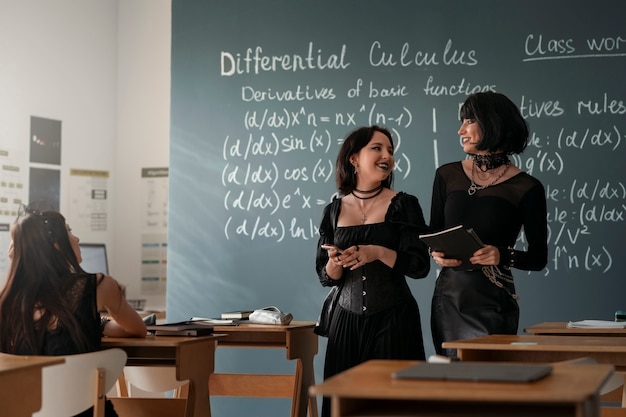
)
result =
(79, 383)
(158, 379)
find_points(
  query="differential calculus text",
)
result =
(255, 62)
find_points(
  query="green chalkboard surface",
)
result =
(264, 91)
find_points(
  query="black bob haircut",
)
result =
(503, 126)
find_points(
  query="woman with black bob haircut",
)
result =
(504, 129)
(368, 245)
(488, 193)
(49, 305)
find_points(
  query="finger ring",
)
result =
(357, 248)
(358, 260)
(338, 259)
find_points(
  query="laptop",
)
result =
(476, 371)
(94, 258)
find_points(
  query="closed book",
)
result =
(241, 314)
(476, 371)
(456, 243)
(185, 328)
(596, 324)
(215, 322)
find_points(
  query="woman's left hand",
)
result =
(354, 257)
(487, 255)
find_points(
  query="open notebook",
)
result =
(476, 371)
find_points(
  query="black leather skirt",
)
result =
(466, 304)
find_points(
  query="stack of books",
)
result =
(199, 326)
(236, 315)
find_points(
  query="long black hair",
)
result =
(40, 291)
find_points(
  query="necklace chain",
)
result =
(364, 212)
(475, 187)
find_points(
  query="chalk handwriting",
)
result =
(278, 167)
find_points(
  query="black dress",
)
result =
(58, 342)
(474, 303)
(377, 316)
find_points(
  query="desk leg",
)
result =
(312, 400)
(302, 346)
(301, 397)
(195, 363)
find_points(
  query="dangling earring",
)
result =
(354, 166)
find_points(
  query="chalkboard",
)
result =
(264, 91)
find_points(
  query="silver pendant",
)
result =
(473, 188)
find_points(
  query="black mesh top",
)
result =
(496, 213)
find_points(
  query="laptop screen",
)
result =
(94, 258)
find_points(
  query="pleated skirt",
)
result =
(395, 333)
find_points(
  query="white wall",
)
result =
(143, 119)
(101, 67)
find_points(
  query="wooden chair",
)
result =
(80, 383)
(151, 379)
(612, 412)
(153, 382)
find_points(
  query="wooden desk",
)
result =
(193, 357)
(21, 383)
(559, 328)
(369, 390)
(300, 344)
(527, 348)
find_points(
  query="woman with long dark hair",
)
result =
(49, 304)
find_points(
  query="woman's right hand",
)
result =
(333, 266)
(348, 258)
(439, 258)
(332, 251)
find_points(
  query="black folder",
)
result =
(457, 243)
(183, 328)
(476, 371)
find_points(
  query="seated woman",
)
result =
(49, 304)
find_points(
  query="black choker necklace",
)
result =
(490, 161)
(373, 190)
(376, 191)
